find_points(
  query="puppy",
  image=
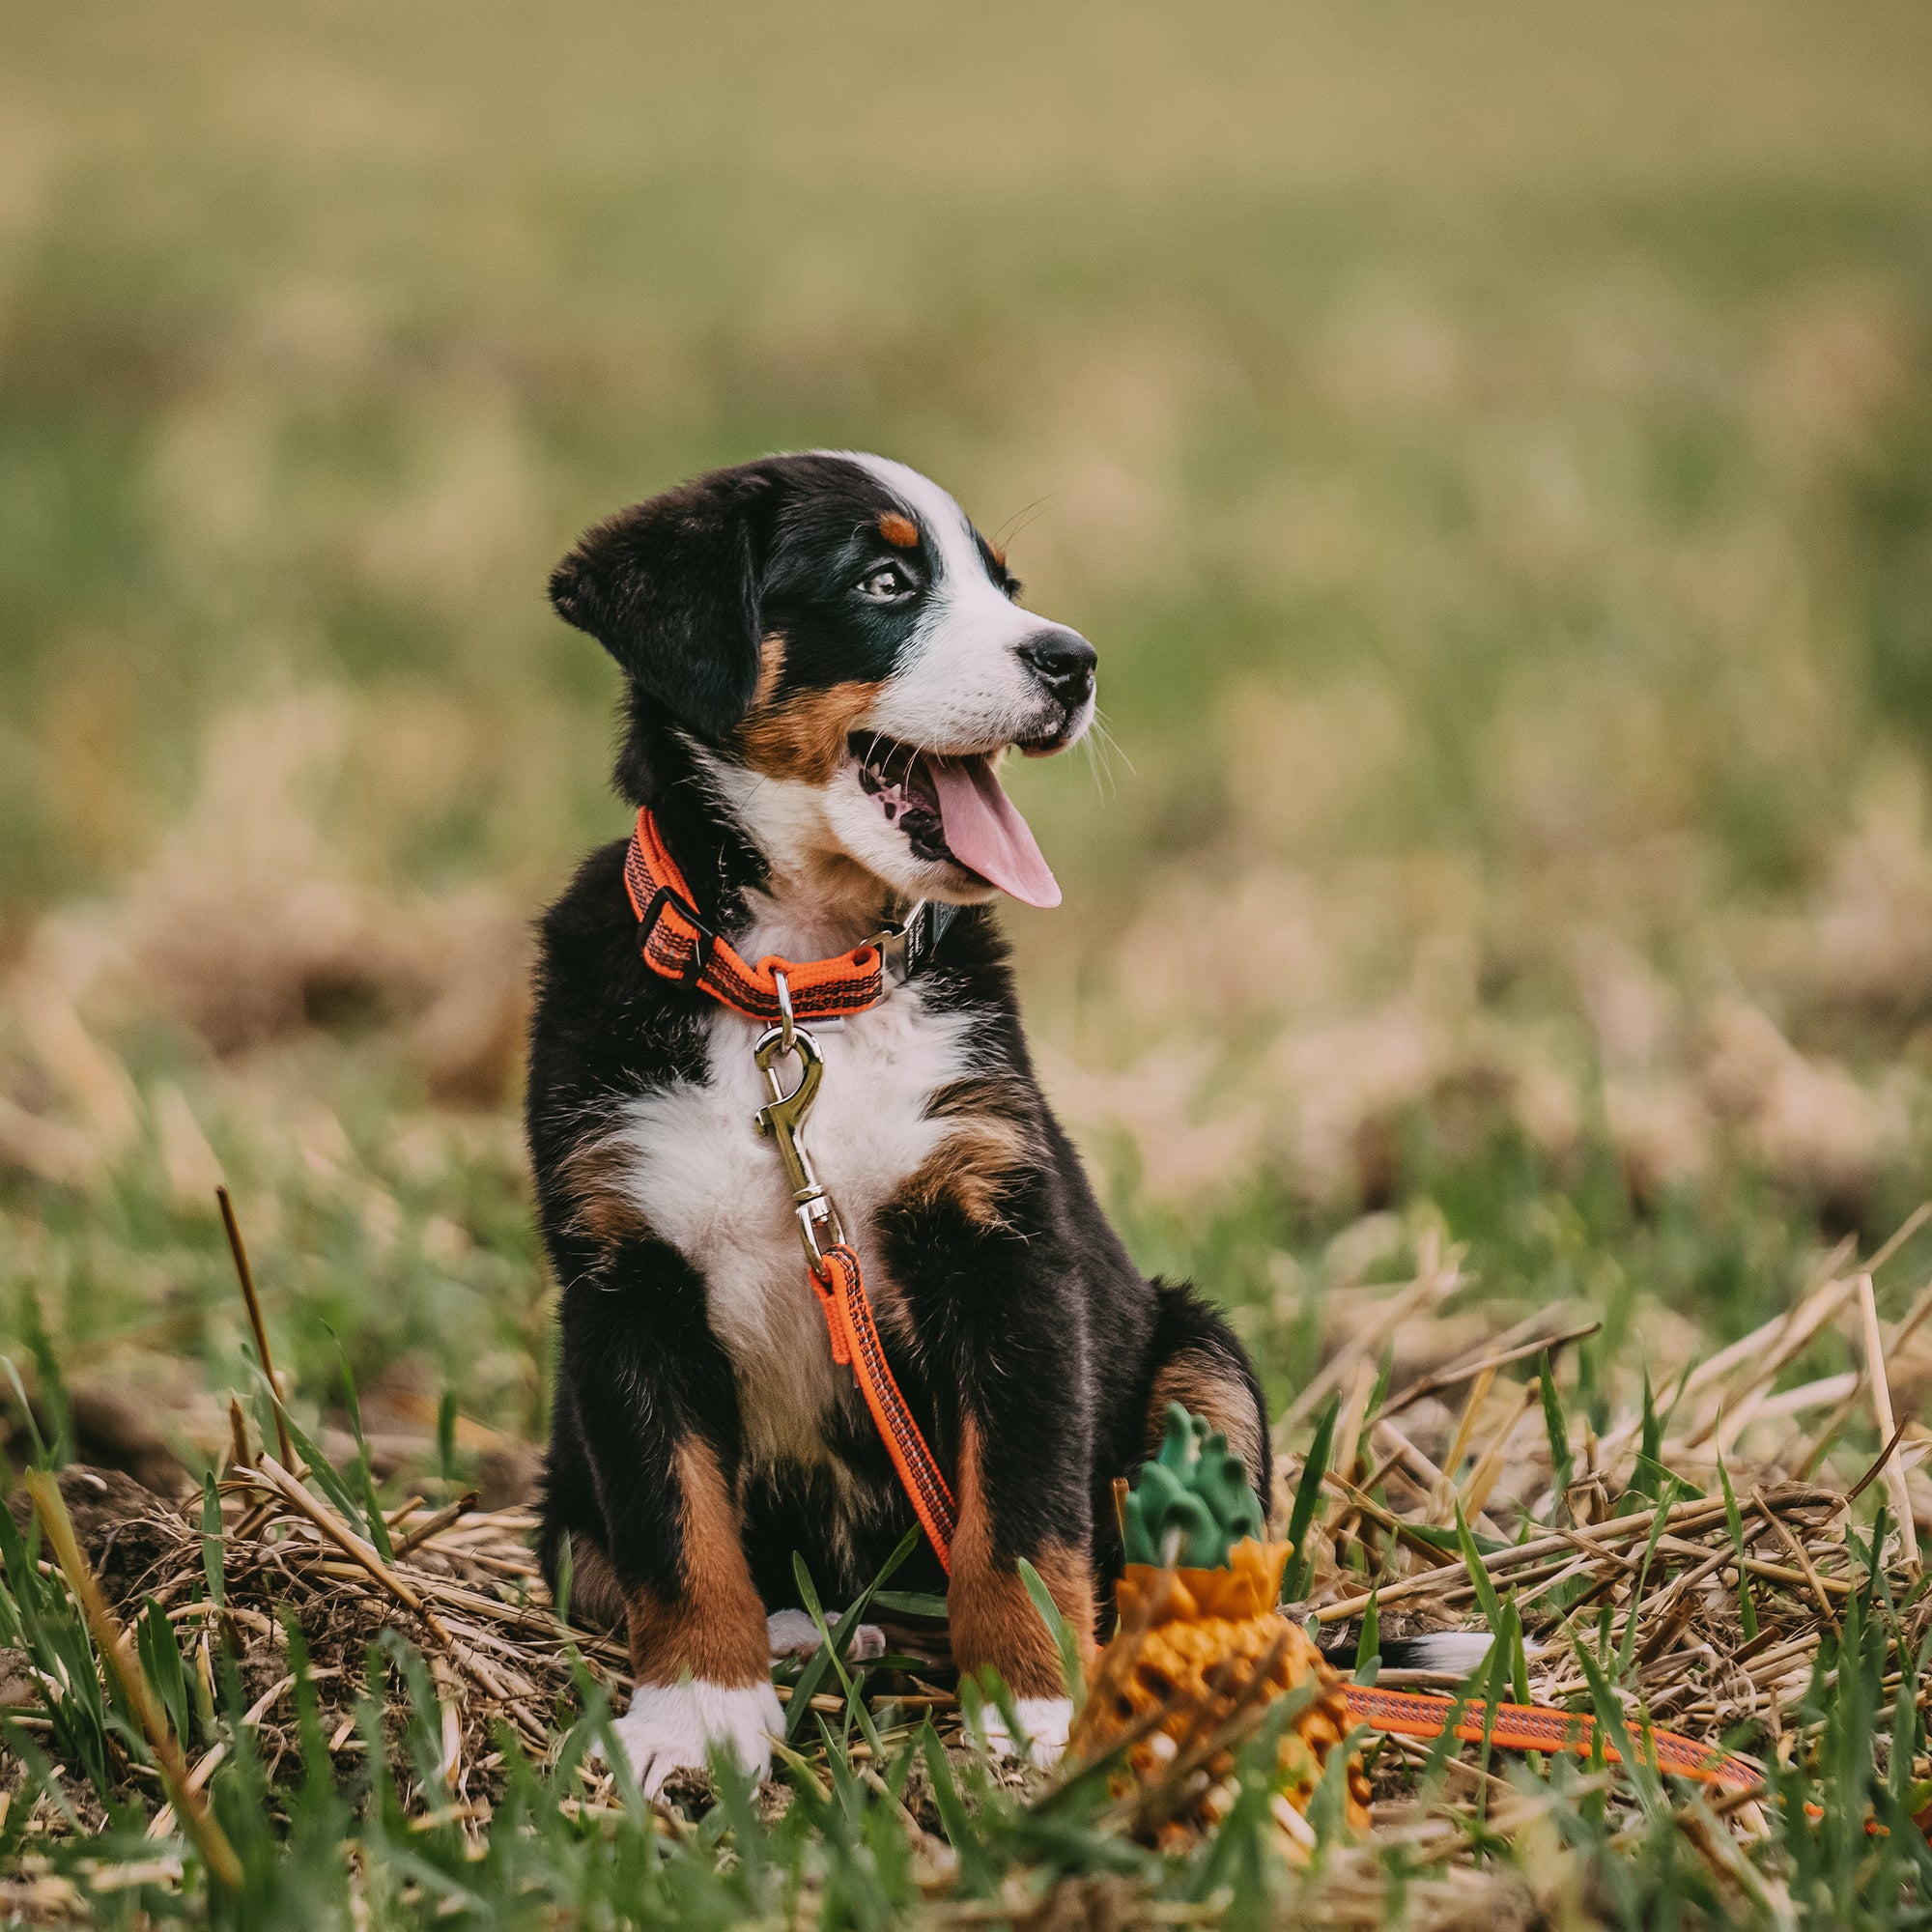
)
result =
(825, 663)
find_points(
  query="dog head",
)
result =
(848, 659)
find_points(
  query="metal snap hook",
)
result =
(783, 1119)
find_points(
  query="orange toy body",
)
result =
(1194, 1639)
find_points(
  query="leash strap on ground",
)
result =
(1414, 1714)
(855, 1339)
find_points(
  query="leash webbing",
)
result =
(677, 945)
(1418, 1714)
(855, 1339)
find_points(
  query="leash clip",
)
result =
(783, 1119)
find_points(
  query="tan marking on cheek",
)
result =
(803, 737)
(1215, 1392)
(901, 533)
(594, 1176)
(715, 1627)
(993, 1619)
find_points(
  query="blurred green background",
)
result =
(1492, 447)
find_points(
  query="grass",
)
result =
(328, 1705)
(1489, 450)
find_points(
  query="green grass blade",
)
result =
(1296, 1577)
(1735, 1523)
(831, 1644)
(160, 1657)
(53, 1385)
(1610, 1724)
(214, 1543)
(1483, 1582)
(910, 1603)
(1071, 1674)
(44, 1457)
(1556, 1426)
(1627, 1649)
(378, 1529)
(976, 1875)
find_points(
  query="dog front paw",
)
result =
(675, 1726)
(1045, 1721)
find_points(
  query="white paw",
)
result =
(793, 1634)
(1045, 1720)
(674, 1726)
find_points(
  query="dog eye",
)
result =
(884, 584)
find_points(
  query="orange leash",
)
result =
(677, 945)
(855, 1339)
(1415, 1714)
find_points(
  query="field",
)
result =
(1492, 451)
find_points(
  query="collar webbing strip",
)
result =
(677, 945)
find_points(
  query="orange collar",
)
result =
(677, 945)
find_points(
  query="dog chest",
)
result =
(707, 1181)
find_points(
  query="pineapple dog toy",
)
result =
(1200, 1637)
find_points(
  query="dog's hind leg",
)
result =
(1195, 1360)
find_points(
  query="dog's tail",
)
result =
(1448, 1654)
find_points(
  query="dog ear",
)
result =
(670, 590)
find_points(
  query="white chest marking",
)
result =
(713, 1187)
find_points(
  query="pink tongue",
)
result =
(985, 831)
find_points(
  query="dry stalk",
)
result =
(1881, 1389)
(1782, 1530)
(1436, 1275)
(217, 1853)
(1462, 1372)
(247, 1278)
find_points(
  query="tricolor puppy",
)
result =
(826, 664)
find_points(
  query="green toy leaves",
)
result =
(1191, 1504)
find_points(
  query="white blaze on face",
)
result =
(962, 685)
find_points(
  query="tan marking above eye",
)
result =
(901, 533)
(803, 736)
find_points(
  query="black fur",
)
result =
(1037, 1325)
(670, 590)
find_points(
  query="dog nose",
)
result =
(1063, 661)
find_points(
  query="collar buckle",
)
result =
(906, 948)
(703, 938)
